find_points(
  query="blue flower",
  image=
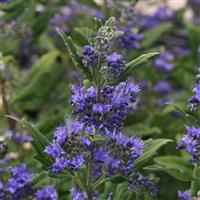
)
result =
(190, 142)
(184, 195)
(137, 182)
(77, 194)
(19, 186)
(130, 40)
(163, 62)
(115, 66)
(46, 193)
(162, 87)
(89, 56)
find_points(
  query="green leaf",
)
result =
(117, 179)
(142, 129)
(74, 55)
(39, 83)
(97, 23)
(131, 65)
(186, 116)
(110, 22)
(150, 151)
(174, 166)
(38, 177)
(85, 32)
(39, 141)
(154, 34)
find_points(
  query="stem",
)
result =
(11, 123)
(138, 196)
(106, 9)
(89, 181)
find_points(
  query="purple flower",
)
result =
(77, 194)
(19, 186)
(181, 51)
(184, 195)
(137, 182)
(60, 164)
(60, 134)
(46, 193)
(130, 40)
(195, 100)
(119, 152)
(89, 56)
(115, 66)
(54, 150)
(67, 147)
(164, 13)
(162, 87)
(190, 142)
(2, 190)
(163, 62)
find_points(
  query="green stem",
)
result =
(138, 196)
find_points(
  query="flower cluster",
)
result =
(130, 40)
(194, 101)
(62, 18)
(190, 142)
(163, 13)
(163, 62)
(89, 56)
(115, 66)
(119, 153)
(99, 56)
(68, 148)
(139, 182)
(128, 22)
(108, 113)
(46, 193)
(19, 186)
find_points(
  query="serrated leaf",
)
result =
(131, 65)
(150, 151)
(74, 55)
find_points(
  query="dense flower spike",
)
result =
(46, 193)
(190, 142)
(139, 182)
(163, 62)
(110, 113)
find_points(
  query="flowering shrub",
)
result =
(112, 116)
